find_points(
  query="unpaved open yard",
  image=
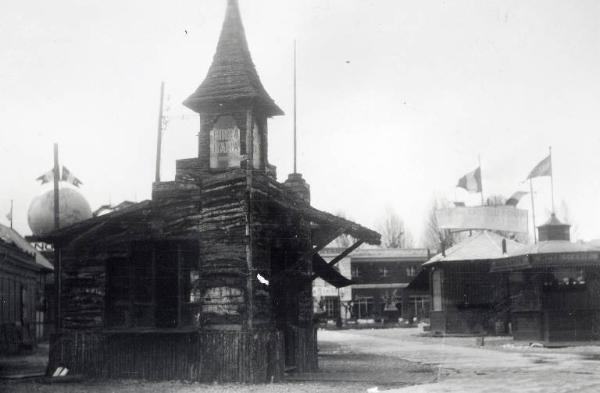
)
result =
(502, 365)
(341, 370)
(401, 361)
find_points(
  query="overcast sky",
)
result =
(396, 99)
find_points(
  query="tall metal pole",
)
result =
(532, 210)
(295, 144)
(159, 132)
(551, 179)
(480, 178)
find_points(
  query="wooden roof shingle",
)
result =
(232, 76)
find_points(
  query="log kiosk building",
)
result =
(554, 287)
(211, 279)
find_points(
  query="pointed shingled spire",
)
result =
(232, 75)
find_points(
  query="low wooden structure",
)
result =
(23, 276)
(554, 287)
(211, 279)
(466, 297)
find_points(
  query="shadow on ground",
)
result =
(339, 364)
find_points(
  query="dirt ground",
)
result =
(501, 365)
(340, 370)
(399, 361)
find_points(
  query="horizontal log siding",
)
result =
(209, 356)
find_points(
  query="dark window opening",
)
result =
(153, 288)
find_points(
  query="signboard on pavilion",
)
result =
(225, 144)
(497, 218)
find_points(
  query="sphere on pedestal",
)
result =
(73, 207)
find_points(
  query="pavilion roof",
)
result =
(11, 236)
(482, 246)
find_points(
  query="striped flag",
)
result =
(543, 168)
(69, 177)
(471, 181)
(515, 198)
(46, 177)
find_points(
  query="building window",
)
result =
(363, 307)
(411, 271)
(355, 272)
(331, 305)
(384, 271)
(436, 285)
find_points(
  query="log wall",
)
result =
(552, 314)
(207, 356)
(211, 345)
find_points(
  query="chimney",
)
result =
(553, 229)
(299, 186)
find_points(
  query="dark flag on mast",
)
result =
(543, 168)
(471, 181)
(515, 198)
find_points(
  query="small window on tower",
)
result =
(225, 143)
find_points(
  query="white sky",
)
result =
(396, 99)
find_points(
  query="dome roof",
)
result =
(73, 207)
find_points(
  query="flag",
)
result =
(47, 177)
(9, 216)
(544, 168)
(69, 177)
(471, 181)
(515, 198)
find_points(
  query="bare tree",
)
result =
(342, 241)
(433, 237)
(564, 214)
(393, 231)
(496, 200)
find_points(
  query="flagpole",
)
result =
(295, 143)
(480, 178)
(11, 214)
(551, 179)
(57, 256)
(56, 196)
(160, 130)
(532, 210)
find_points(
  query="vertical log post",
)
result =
(249, 205)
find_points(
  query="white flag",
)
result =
(47, 177)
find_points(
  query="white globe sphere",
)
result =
(72, 208)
